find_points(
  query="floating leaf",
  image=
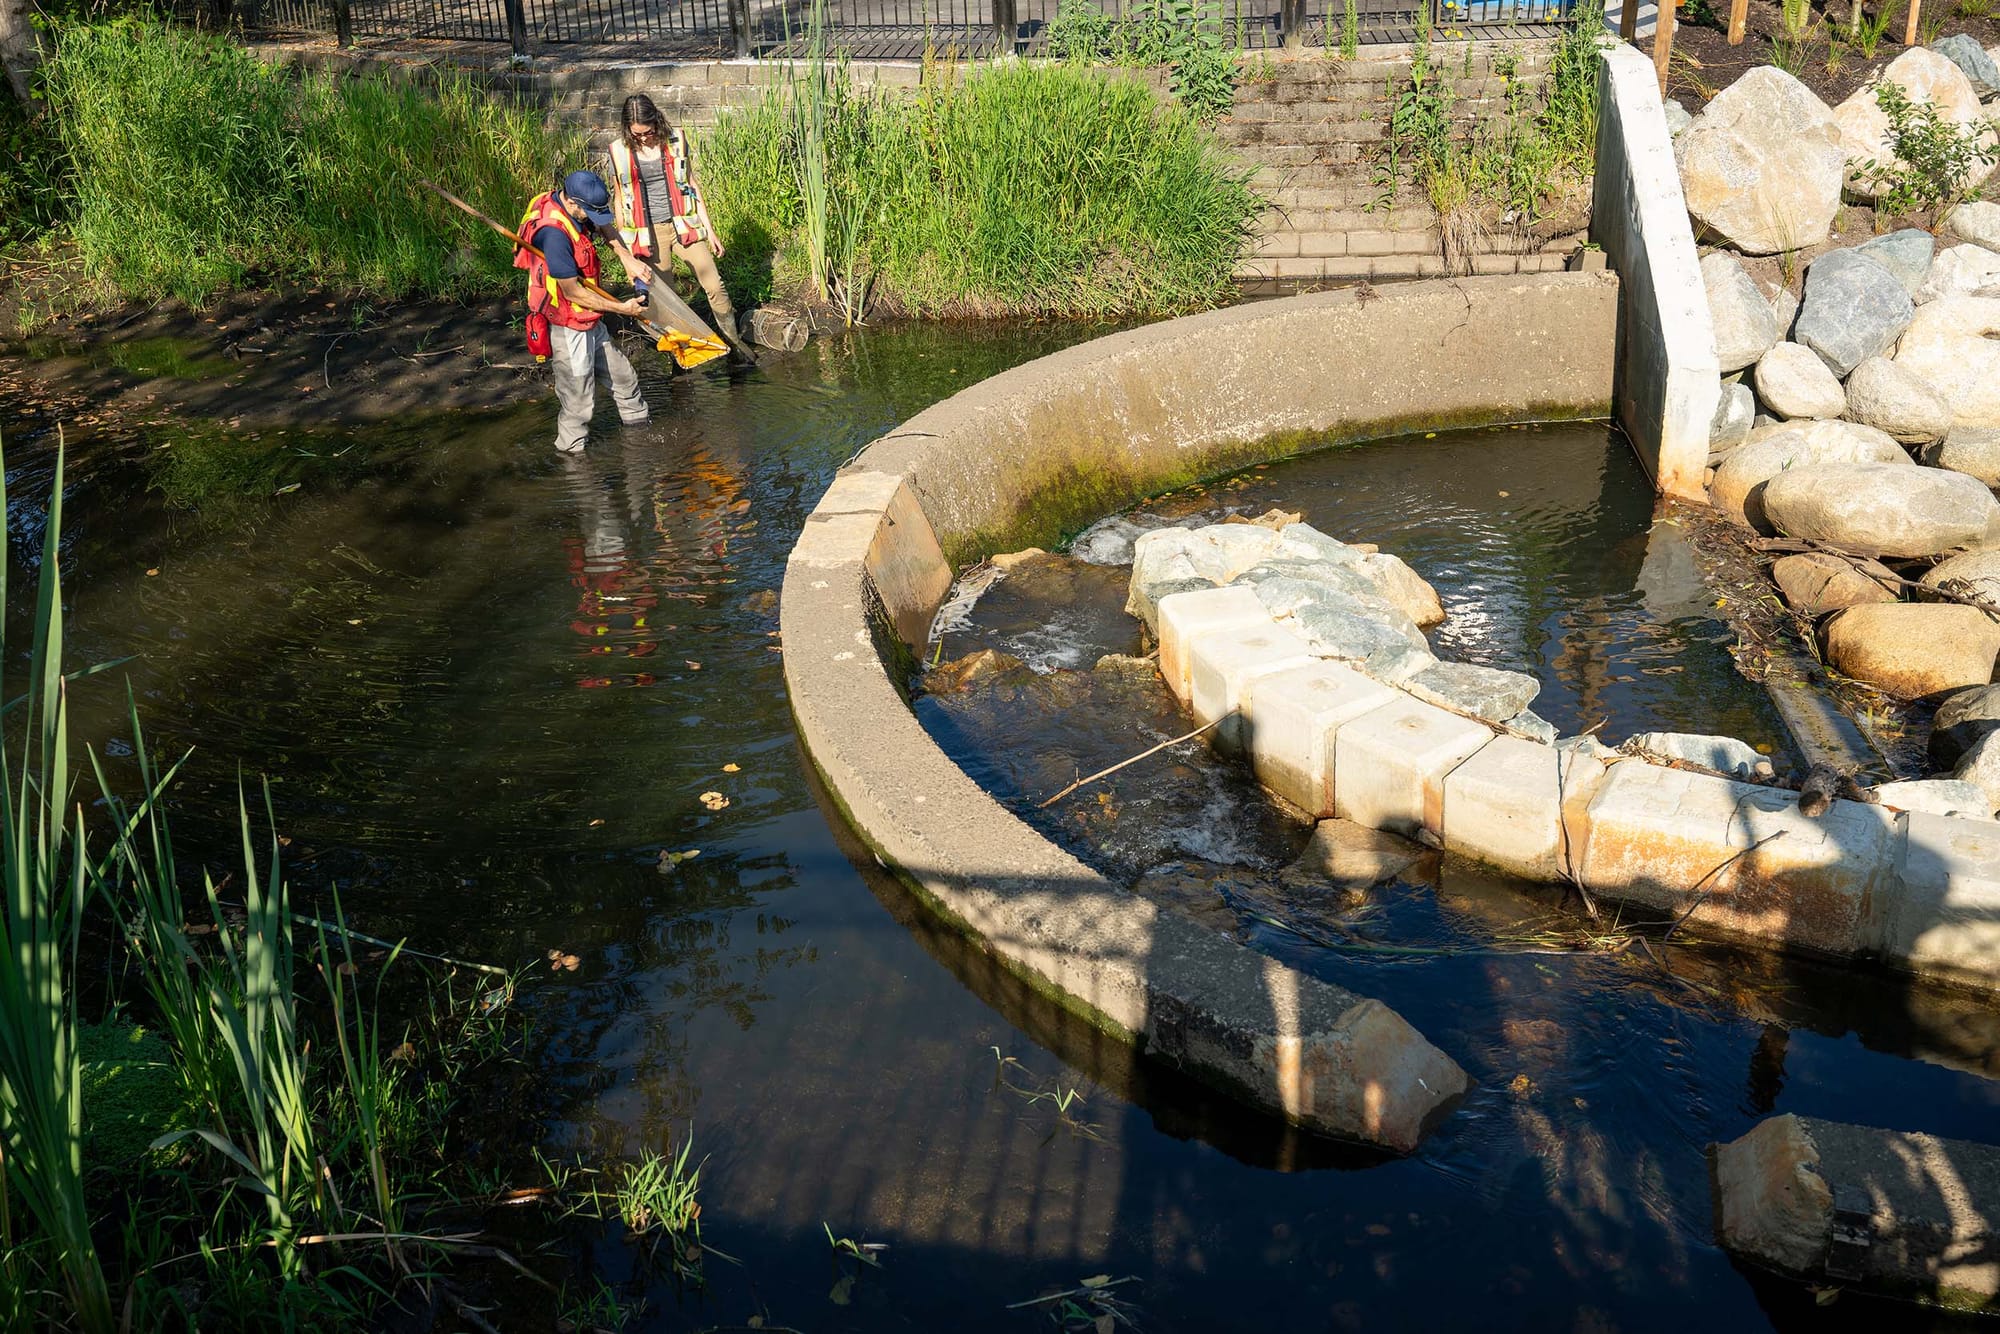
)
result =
(288, 488)
(564, 962)
(150, 573)
(1521, 1086)
(597, 822)
(1096, 1280)
(715, 801)
(732, 768)
(692, 665)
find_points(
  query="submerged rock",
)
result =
(1815, 583)
(1761, 166)
(1725, 754)
(1961, 720)
(972, 669)
(1738, 487)
(1880, 508)
(1793, 382)
(1483, 692)
(1914, 650)
(1345, 854)
(1853, 309)
(1936, 796)
(1894, 399)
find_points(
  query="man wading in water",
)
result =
(660, 212)
(566, 311)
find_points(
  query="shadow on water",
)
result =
(491, 688)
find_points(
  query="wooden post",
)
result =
(517, 26)
(1628, 20)
(1739, 14)
(1292, 22)
(739, 28)
(1910, 28)
(343, 24)
(1663, 42)
(1006, 25)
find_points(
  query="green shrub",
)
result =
(1021, 189)
(1931, 157)
(195, 166)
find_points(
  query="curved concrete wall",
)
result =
(1033, 453)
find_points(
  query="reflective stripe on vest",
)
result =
(544, 290)
(681, 194)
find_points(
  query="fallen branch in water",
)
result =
(1106, 773)
(365, 938)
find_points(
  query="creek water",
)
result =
(489, 688)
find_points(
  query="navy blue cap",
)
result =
(587, 190)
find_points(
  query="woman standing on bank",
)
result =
(659, 210)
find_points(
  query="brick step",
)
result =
(1352, 268)
(1300, 134)
(1407, 217)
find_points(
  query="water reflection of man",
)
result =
(615, 597)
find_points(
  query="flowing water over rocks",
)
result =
(490, 687)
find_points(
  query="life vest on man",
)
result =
(633, 217)
(545, 298)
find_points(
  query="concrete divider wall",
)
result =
(1918, 890)
(1033, 453)
(1669, 382)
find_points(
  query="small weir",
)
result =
(490, 688)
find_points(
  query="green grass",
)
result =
(1017, 189)
(193, 168)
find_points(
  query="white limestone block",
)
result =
(1504, 806)
(1671, 840)
(1943, 917)
(1392, 764)
(1224, 662)
(1186, 616)
(1290, 720)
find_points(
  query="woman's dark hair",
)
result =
(639, 110)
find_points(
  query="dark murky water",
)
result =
(489, 688)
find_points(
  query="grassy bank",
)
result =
(189, 167)
(1016, 189)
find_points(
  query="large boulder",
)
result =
(1975, 573)
(1914, 650)
(1896, 400)
(1951, 343)
(1961, 720)
(1973, 62)
(1927, 78)
(1738, 487)
(1745, 328)
(1980, 766)
(1972, 450)
(1814, 583)
(1853, 309)
(1761, 166)
(1977, 222)
(1881, 509)
(1960, 270)
(1793, 382)
(1734, 412)
(1907, 254)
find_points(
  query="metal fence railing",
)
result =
(868, 28)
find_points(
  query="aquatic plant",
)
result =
(1016, 189)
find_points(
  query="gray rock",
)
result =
(1853, 309)
(1960, 270)
(1110, 541)
(1722, 753)
(1341, 586)
(1762, 165)
(1977, 222)
(1976, 573)
(1896, 400)
(1794, 382)
(1961, 720)
(1972, 450)
(1738, 487)
(1161, 566)
(1586, 747)
(1936, 796)
(1734, 413)
(1483, 692)
(1814, 583)
(1972, 61)
(1785, 310)
(1302, 541)
(1881, 508)
(1906, 253)
(1403, 587)
(1678, 118)
(1346, 630)
(1397, 663)
(1352, 856)
(1745, 328)
(1980, 766)
(1533, 726)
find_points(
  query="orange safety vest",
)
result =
(681, 195)
(544, 292)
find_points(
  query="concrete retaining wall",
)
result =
(1033, 453)
(1668, 383)
(1919, 891)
